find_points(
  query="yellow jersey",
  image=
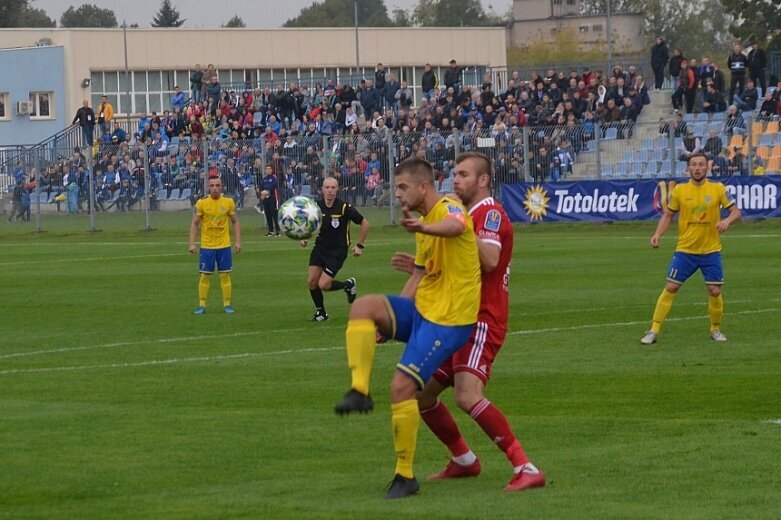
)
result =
(215, 221)
(449, 293)
(699, 209)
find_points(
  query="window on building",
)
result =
(570, 2)
(41, 105)
(597, 27)
(583, 28)
(5, 108)
(556, 2)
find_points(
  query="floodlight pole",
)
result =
(609, 41)
(127, 79)
(357, 46)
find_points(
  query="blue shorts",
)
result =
(428, 344)
(683, 265)
(221, 257)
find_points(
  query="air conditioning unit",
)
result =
(22, 108)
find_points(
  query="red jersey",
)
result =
(493, 226)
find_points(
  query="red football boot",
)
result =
(526, 480)
(455, 470)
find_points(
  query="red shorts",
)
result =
(476, 357)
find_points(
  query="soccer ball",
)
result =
(299, 218)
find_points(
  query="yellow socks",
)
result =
(716, 311)
(663, 305)
(203, 289)
(405, 420)
(360, 338)
(227, 288)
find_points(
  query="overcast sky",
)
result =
(201, 13)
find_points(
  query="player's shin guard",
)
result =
(441, 423)
(495, 425)
(203, 289)
(663, 306)
(227, 288)
(360, 338)
(716, 311)
(406, 420)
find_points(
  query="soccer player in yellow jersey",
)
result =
(434, 315)
(698, 204)
(212, 215)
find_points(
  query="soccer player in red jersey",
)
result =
(468, 369)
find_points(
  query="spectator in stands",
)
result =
(105, 115)
(768, 107)
(16, 202)
(370, 100)
(629, 113)
(379, 77)
(720, 164)
(196, 79)
(213, 90)
(705, 75)
(392, 86)
(714, 100)
(119, 134)
(675, 67)
(453, 76)
(757, 63)
(680, 128)
(25, 201)
(734, 122)
(85, 116)
(429, 82)
(542, 165)
(738, 165)
(178, 99)
(713, 145)
(687, 89)
(749, 98)
(690, 145)
(737, 63)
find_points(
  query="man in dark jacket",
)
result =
(757, 62)
(429, 81)
(370, 100)
(453, 76)
(737, 63)
(660, 55)
(85, 116)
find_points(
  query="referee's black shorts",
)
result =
(331, 260)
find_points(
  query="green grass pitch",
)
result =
(117, 402)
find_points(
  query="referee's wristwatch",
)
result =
(360, 246)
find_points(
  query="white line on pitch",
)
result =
(167, 361)
(283, 352)
(150, 341)
(632, 306)
(627, 323)
(93, 259)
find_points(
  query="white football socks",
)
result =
(467, 459)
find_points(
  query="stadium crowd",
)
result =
(348, 131)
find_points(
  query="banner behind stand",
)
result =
(598, 201)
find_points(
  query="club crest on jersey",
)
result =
(707, 198)
(335, 223)
(493, 219)
(454, 210)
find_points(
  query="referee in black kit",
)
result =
(331, 246)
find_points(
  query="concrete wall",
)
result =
(33, 69)
(626, 28)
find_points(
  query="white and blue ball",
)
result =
(299, 218)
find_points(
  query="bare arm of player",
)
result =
(451, 226)
(362, 235)
(403, 262)
(734, 215)
(412, 283)
(193, 232)
(662, 227)
(489, 254)
(236, 232)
